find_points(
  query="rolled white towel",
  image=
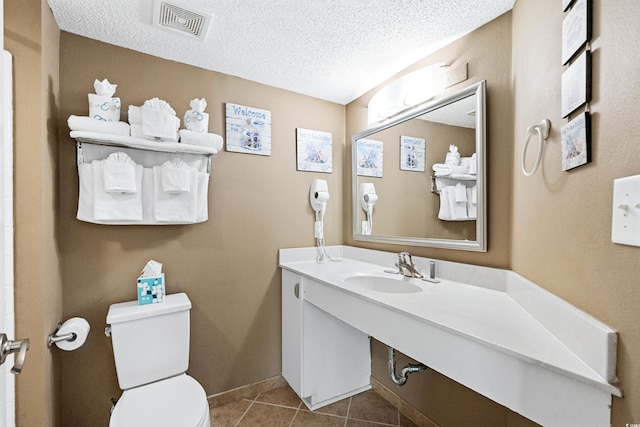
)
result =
(202, 139)
(88, 124)
(440, 169)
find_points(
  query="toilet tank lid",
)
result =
(131, 310)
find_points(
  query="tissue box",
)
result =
(151, 290)
(104, 108)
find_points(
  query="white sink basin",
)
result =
(383, 284)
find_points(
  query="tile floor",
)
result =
(282, 407)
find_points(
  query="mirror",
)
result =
(399, 198)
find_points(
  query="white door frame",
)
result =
(7, 318)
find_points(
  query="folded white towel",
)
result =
(176, 176)
(472, 205)
(174, 207)
(119, 173)
(202, 139)
(458, 210)
(461, 193)
(88, 124)
(160, 125)
(134, 115)
(115, 206)
(137, 132)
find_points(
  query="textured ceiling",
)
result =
(330, 49)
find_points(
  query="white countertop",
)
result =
(486, 315)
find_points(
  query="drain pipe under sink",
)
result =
(410, 368)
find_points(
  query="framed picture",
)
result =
(369, 157)
(576, 29)
(248, 130)
(314, 151)
(576, 142)
(412, 157)
(576, 84)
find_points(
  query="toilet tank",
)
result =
(150, 342)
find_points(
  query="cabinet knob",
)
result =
(296, 290)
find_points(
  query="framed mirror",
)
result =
(409, 187)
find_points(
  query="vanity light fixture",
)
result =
(408, 91)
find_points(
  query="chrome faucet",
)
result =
(406, 267)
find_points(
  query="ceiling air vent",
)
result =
(177, 18)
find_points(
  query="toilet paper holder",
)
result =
(53, 338)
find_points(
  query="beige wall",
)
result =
(228, 265)
(562, 220)
(32, 36)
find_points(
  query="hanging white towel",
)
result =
(472, 208)
(85, 196)
(458, 210)
(445, 212)
(461, 193)
(174, 207)
(203, 191)
(176, 176)
(119, 173)
(115, 206)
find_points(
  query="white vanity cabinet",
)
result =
(323, 359)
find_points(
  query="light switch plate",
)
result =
(625, 224)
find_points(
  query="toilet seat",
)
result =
(178, 401)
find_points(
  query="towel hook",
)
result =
(542, 130)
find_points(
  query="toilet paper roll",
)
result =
(76, 325)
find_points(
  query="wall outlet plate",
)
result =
(625, 223)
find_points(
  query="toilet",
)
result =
(151, 352)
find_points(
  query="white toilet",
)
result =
(151, 351)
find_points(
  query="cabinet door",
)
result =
(292, 330)
(337, 359)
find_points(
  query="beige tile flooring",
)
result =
(282, 407)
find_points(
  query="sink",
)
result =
(382, 284)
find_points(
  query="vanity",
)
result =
(489, 329)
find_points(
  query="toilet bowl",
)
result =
(175, 402)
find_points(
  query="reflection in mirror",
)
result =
(419, 178)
